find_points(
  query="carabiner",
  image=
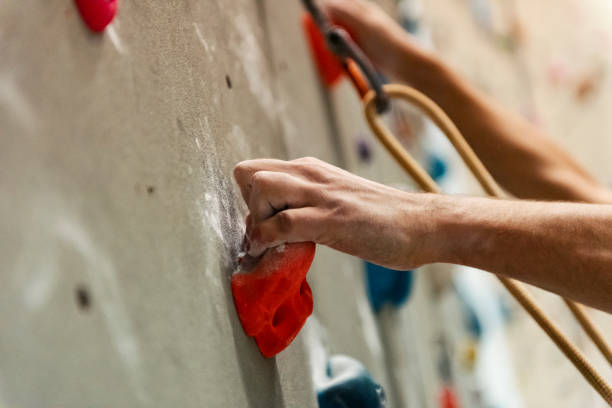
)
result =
(356, 64)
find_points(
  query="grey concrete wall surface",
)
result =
(121, 223)
(120, 219)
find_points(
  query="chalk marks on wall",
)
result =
(249, 53)
(209, 48)
(113, 35)
(216, 206)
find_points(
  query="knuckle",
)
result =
(239, 169)
(243, 168)
(285, 222)
(306, 162)
(309, 167)
(267, 236)
(260, 178)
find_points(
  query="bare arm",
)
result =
(521, 157)
(562, 247)
(565, 248)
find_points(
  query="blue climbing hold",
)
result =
(349, 385)
(437, 167)
(387, 286)
(472, 322)
(364, 150)
(470, 317)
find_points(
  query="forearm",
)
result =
(519, 155)
(565, 248)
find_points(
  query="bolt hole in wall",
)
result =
(82, 297)
(150, 190)
(228, 81)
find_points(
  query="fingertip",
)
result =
(238, 168)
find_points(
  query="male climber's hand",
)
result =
(310, 200)
(384, 41)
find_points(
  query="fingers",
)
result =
(306, 168)
(272, 192)
(293, 225)
(284, 200)
(244, 171)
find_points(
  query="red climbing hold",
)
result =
(329, 67)
(448, 398)
(97, 13)
(273, 299)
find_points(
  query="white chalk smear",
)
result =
(253, 61)
(41, 284)
(211, 213)
(207, 47)
(114, 37)
(217, 203)
(16, 104)
(197, 142)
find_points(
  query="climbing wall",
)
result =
(121, 221)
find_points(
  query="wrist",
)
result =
(431, 229)
(458, 230)
(417, 66)
(427, 73)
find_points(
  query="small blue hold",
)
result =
(350, 385)
(437, 167)
(364, 150)
(471, 320)
(410, 25)
(387, 286)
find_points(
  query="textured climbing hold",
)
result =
(97, 14)
(437, 168)
(328, 65)
(387, 286)
(349, 385)
(272, 297)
